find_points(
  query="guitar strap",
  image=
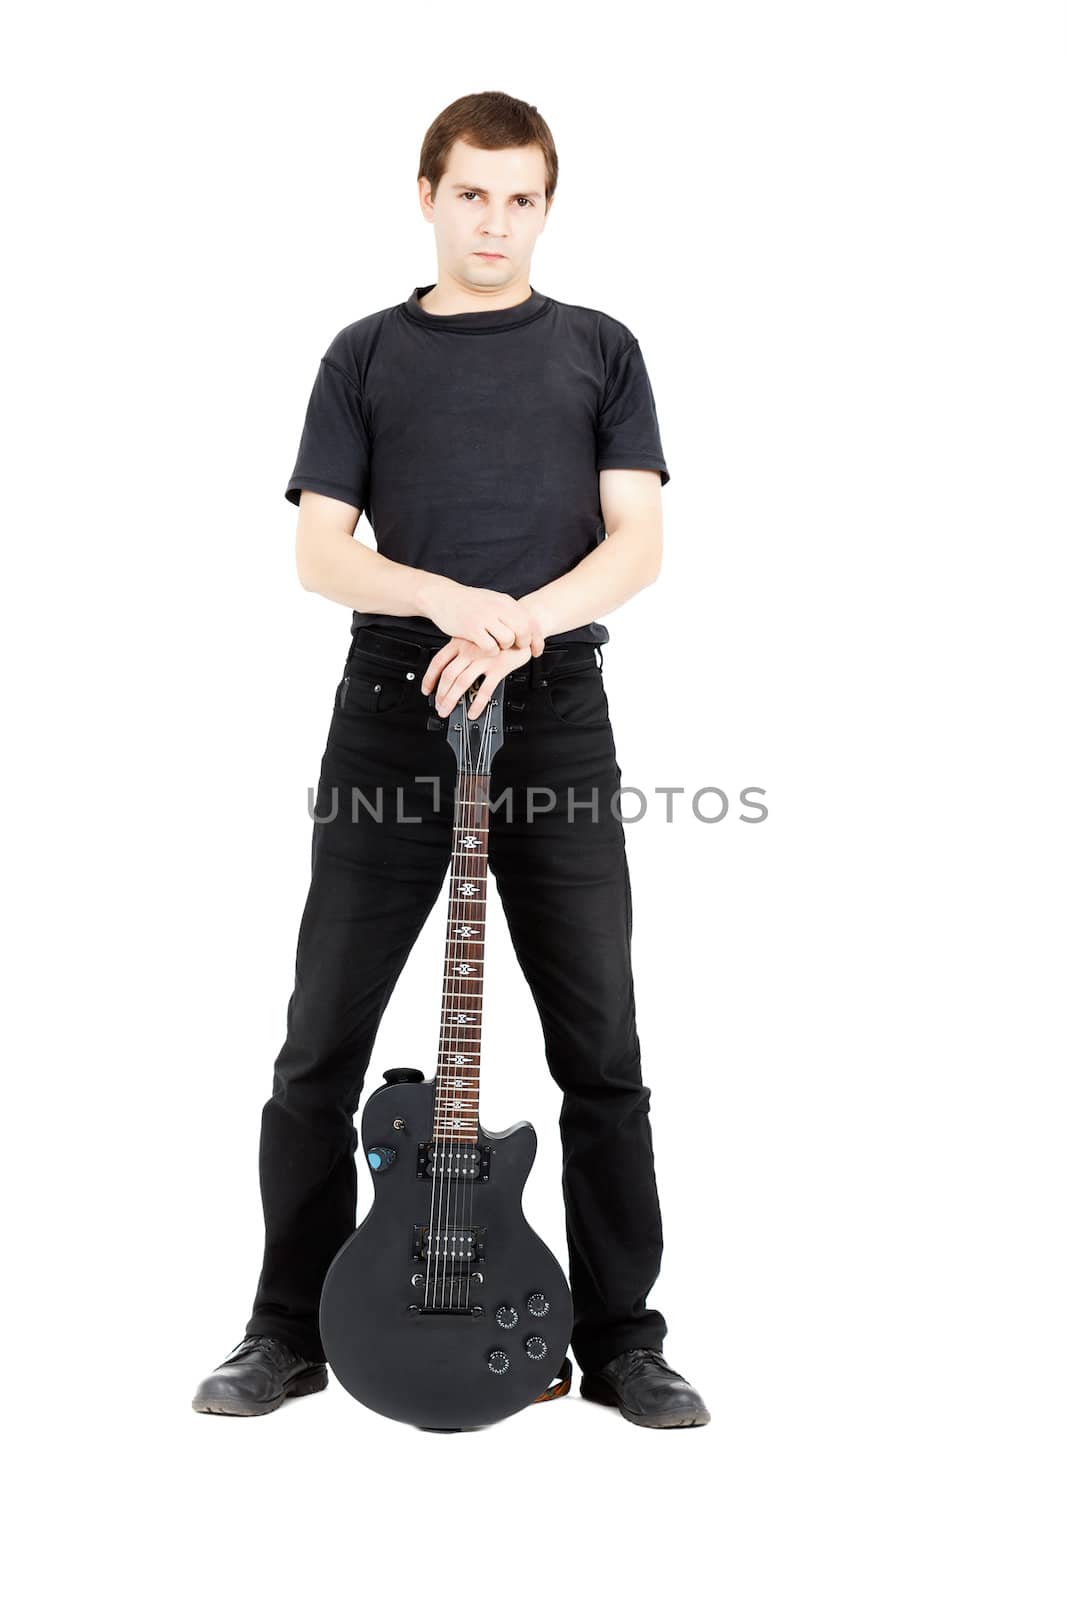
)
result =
(560, 1384)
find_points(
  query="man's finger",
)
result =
(446, 653)
(454, 683)
(482, 698)
(447, 695)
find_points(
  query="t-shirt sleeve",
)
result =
(334, 453)
(627, 426)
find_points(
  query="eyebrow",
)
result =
(529, 194)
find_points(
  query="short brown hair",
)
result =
(489, 121)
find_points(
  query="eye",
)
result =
(473, 193)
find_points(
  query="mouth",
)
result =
(489, 255)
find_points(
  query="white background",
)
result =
(838, 231)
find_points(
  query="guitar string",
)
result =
(448, 1050)
(432, 1248)
(479, 827)
(460, 999)
(437, 1134)
(444, 1153)
(455, 1207)
(466, 1182)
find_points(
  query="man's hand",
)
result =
(484, 618)
(459, 662)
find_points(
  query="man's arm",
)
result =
(627, 560)
(330, 562)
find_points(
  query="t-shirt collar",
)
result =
(535, 305)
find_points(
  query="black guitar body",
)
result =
(444, 1309)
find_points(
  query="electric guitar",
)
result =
(444, 1309)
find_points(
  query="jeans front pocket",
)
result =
(576, 695)
(376, 686)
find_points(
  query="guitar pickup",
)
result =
(459, 1163)
(454, 1247)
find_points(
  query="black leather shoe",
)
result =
(257, 1375)
(646, 1390)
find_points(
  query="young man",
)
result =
(505, 448)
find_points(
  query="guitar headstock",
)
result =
(475, 740)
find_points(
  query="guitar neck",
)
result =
(456, 1099)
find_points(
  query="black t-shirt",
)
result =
(472, 442)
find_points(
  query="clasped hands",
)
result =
(492, 634)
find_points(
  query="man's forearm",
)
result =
(364, 580)
(621, 565)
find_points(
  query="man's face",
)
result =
(488, 214)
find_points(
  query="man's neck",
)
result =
(447, 298)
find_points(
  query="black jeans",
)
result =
(559, 863)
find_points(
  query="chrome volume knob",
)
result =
(498, 1361)
(537, 1305)
(536, 1347)
(507, 1316)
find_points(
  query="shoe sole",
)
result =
(306, 1383)
(604, 1395)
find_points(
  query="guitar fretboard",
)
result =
(456, 1100)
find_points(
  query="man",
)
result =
(505, 448)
